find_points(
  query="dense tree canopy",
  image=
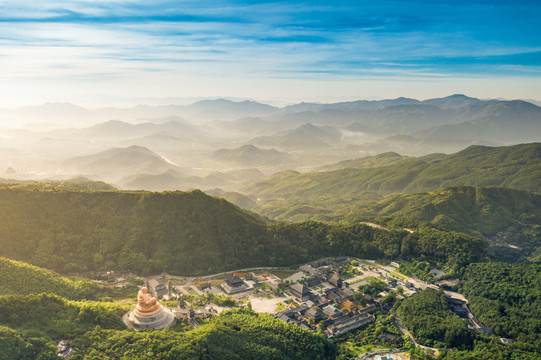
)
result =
(19, 278)
(427, 315)
(507, 299)
(190, 233)
(17, 346)
(57, 318)
(236, 334)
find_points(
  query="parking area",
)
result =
(264, 305)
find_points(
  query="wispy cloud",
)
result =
(358, 39)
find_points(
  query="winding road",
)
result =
(412, 339)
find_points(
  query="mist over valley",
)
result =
(227, 144)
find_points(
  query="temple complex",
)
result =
(148, 313)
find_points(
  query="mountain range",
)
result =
(514, 166)
(213, 137)
(346, 185)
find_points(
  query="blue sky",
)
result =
(294, 50)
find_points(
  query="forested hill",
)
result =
(507, 218)
(96, 331)
(507, 299)
(190, 233)
(516, 167)
(19, 278)
(73, 230)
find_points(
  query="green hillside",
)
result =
(17, 346)
(331, 195)
(19, 278)
(509, 219)
(507, 299)
(31, 325)
(190, 233)
(54, 317)
(427, 315)
(75, 184)
(384, 159)
(183, 232)
(516, 167)
(237, 334)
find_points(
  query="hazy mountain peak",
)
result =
(139, 148)
(459, 96)
(252, 155)
(452, 101)
(308, 126)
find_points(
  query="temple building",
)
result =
(300, 291)
(148, 313)
(234, 285)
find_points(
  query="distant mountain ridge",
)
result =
(251, 155)
(312, 134)
(379, 160)
(307, 136)
(112, 163)
(517, 167)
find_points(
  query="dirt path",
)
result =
(406, 331)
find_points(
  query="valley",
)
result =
(302, 232)
(270, 180)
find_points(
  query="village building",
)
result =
(309, 269)
(349, 306)
(319, 263)
(367, 309)
(286, 319)
(339, 261)
(346, 292)
(332, 312)
(457, 306)
(234, 285)
(297, 310)
(347, 323)
(335, 280)
(157, 288)
(313, 281)
(249, 276)
(339, 295)
(313, 314)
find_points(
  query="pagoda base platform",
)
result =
(159, 321)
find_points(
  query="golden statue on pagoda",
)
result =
(146, 304)
(148, 313)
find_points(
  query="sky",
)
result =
(281, 51)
